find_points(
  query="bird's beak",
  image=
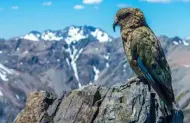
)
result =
(115, 23)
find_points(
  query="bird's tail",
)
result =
(177, 116)
(173, 114)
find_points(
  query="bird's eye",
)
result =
(122, 16)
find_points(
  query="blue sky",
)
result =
(17, 17)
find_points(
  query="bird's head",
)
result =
(129, 17)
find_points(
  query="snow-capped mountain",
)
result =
(70, 58)
(187, 39)
(51, 60)
(33, 36)
(179, 41)
(70, 34)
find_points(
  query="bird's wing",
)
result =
(151, 59)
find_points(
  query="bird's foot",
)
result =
(176, 106)
(132, 80)
(139, 80)
(136, 80)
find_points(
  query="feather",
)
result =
(146, 56)
(144, 70)
(177, 117)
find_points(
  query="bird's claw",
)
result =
(136, 80)
(134, 62)
(176, 106)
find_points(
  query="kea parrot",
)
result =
(145, 54)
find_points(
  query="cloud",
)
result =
(92, 1)
(47, 3)
(122, 5)
(165, 1)
(78, 7)
(15, 7)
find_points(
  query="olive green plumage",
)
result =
(140, 42)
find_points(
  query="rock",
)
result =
(94, 104)
(37, 103)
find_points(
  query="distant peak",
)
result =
(187, 38)
(177, 41)
(176, 38)
(34, 32)
(70, 34)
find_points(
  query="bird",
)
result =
(145, 54)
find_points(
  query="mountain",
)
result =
(72, 57)
(70, 34)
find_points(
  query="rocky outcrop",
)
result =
(93, 104)
(37, 103)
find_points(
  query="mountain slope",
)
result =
(72, 57)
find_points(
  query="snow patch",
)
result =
(50, 36)
(79, 84)
(74, 35)
(107, 65)
(31, 37)
(185, 43)
(1, 51)
(74, 57)
(90, 83)
(25, 52)
(1, 93)
(96, 71)
(80, 51)
(106, 57)
(17, 49)
(175, 42)
(101, 36)
(4, 71)
(17, 97)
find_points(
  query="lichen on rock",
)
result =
(37, 103)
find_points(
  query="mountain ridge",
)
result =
(66, 65)
(80, 32)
